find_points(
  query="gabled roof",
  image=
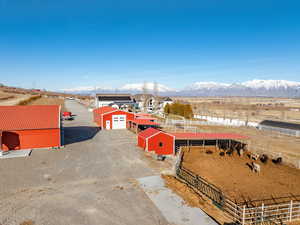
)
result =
(148, 132)
(208, 136)
(105, 109)
(279, 124)
(143, 122)
(29, 117)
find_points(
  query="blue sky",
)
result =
(64, 44)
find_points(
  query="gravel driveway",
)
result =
(91, 181)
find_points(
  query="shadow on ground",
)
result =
(79, 134)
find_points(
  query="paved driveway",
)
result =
(91, 181)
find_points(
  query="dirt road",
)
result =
(91, 181)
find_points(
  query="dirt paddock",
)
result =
(234, 177)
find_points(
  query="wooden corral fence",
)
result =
(286, 210)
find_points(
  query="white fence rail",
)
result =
(226, 121)
(286, 212)
(208, 122)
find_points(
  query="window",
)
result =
(160, 144)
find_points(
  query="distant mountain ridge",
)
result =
(262, 88)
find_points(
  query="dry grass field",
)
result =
(4, 96)
(49, 101)
(251, 109)
(11, 98)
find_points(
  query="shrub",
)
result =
(29, 100)
(180, 109)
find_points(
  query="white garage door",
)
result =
(119, 122)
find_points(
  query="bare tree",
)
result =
(155, 89)
(145, 88)
(144, 97)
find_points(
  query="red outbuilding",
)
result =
(111, 118)
(161, 143)
(29, 127)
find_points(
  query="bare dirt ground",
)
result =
(232, 175)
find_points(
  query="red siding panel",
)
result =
(161, 144)
(141, 142)
(28, 139)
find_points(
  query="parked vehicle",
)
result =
(67, 116)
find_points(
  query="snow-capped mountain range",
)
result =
(264, 88)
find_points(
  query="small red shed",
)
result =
(111, 118)
(29, 127)
(157, 141)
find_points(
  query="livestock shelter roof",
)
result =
(105, 109)
(29, 117)
(148, 132)
(279, 124)
(207, 136)
(143, 122)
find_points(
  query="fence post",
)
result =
(244, 211)
(291, 210)
(262, 212)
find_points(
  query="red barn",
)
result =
(29, 127)
(161, 143)
(111, 118)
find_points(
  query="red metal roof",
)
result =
(29, 117)
(208, 136)
(148, 132)
(105, 109)
(143, 122)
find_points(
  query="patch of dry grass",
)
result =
(50, 101)
(5, 96)
(28, 222)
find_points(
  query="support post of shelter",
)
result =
(291, 210)
(243, 215)
(0, 142)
